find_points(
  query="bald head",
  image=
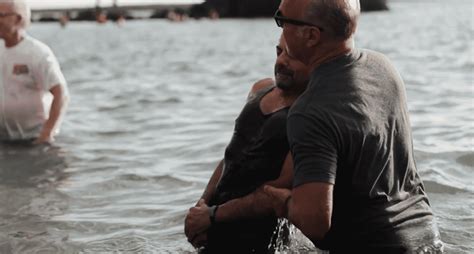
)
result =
(338, 17)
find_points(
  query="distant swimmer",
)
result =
(64, 19)
(234, 215)
(29, 72)
(176, 16)
(213, 14)
(101, 17)
(120, 20)
(356, 188)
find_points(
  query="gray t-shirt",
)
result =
(350, 128)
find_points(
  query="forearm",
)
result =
(312, 215)
(304, 222)
(57, 107)
(212, 184)
(255, 204)
(258, 202)
(54, 114)
(197, 220)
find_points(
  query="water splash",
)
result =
(436, 248)
(287, 239)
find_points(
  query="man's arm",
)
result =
(57, 107)
(254, 204)
(212, 184)
(315, 149)
(190, 230)
(257, 202)
(311, 213)
(308, 207)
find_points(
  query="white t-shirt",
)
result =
(28, 71)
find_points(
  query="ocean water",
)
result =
(152, 109)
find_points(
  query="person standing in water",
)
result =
(29, 71)
(234, 215)
(356, 188)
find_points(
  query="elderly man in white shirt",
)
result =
(29, 71)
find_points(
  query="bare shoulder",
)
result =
(261, 84)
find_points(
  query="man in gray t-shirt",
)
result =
(355, 185)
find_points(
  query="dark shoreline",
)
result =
(210, 8)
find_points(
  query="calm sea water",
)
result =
(152, 110)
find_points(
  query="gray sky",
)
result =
(47, 4)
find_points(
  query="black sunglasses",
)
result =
(281, 20)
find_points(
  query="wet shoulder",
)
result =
(259, 87)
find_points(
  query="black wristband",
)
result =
(212, 213)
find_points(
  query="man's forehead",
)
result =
(5, 6)
(296, 1)
(353, 4)
(293, 6)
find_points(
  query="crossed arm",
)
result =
(256, 203)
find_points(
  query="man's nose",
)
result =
(282, 59)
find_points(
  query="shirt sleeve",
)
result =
(313, 145)
(48, 72)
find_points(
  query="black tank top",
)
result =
(256, 151)
(254, 156)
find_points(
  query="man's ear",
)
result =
(19, 19)
(313, 36)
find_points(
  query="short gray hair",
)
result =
(339, 17)
(21, 8)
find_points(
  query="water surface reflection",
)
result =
(29, 177)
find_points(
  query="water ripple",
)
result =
(153, 105)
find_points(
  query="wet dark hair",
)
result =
(335, 16)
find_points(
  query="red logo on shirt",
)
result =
(19, 69)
